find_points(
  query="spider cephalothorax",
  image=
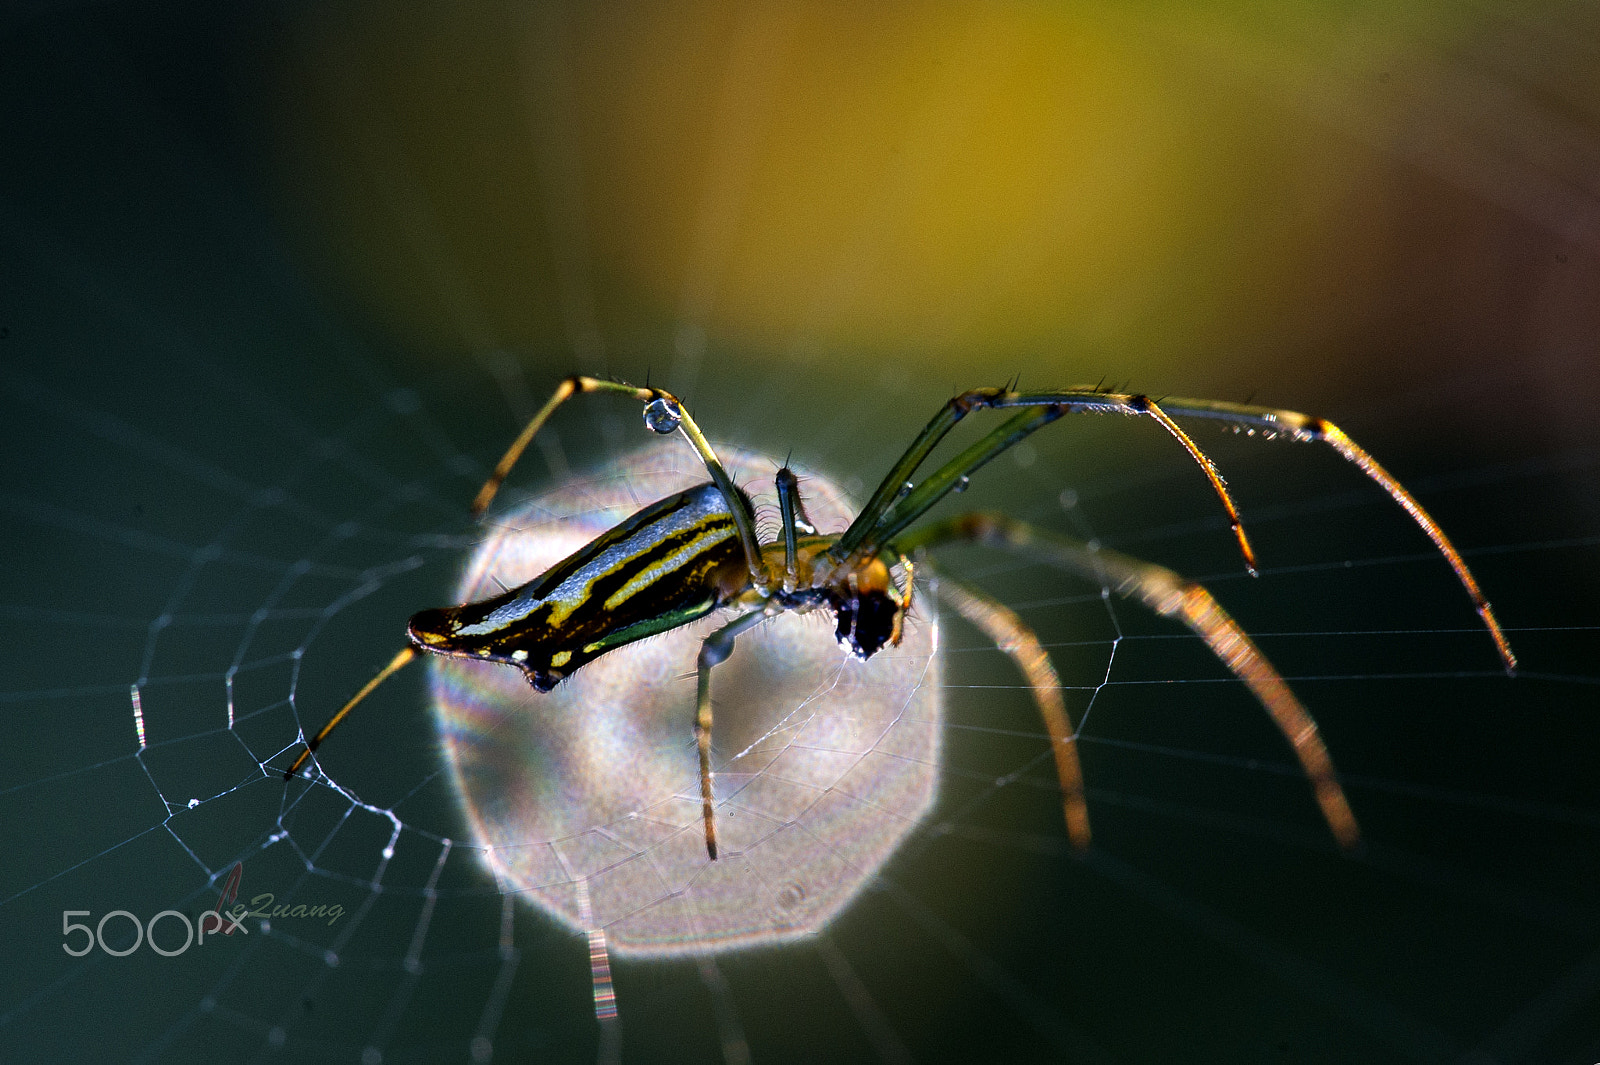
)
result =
(867, 621)
(697, 551)
(870, 612)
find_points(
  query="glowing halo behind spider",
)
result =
(587, 798)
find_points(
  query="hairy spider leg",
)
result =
(1303, 427)
(867, 532)
(394, 666)
(675, 417)
(713, 652)
(1012, 635)
(1171, 596)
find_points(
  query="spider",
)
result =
(697, 551)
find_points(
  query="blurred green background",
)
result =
(278, 282)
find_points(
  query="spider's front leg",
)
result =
(713, 652)
(1169, 595)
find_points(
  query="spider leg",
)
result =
(1297, 426)
(1171, 596)
(793, 515)
(894, 505)
(673, 416)
(713, 652)
(384, 674)
(1012, 635)
(892, 508)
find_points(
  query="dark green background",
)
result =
(180, 367)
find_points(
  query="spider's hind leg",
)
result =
(1171, 596)
(394, 666)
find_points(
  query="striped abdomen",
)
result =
(652, 573)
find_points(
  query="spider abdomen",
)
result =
(652, 573)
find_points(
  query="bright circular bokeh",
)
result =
(586, 799)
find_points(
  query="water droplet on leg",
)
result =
(661, 415)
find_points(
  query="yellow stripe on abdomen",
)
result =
(708, 537)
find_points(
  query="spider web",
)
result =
(264, 622)
(220, 515)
